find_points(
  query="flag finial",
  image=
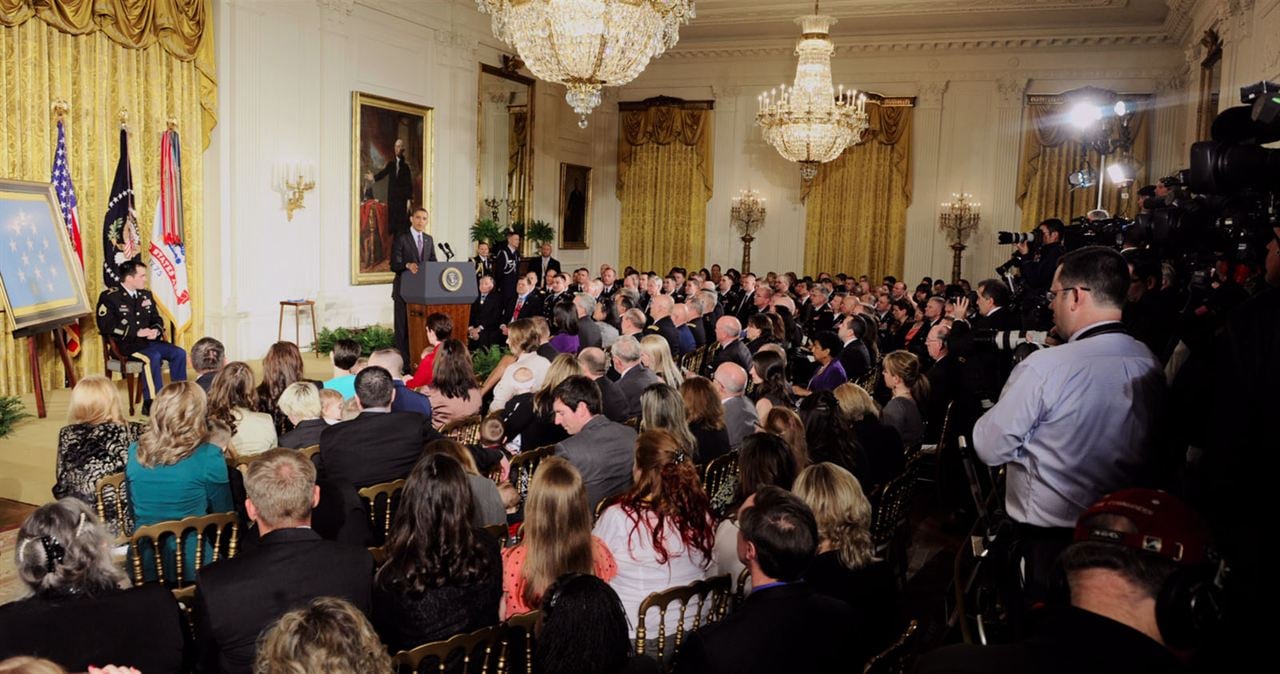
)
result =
(61, 108)
(171, 123)
(124, 118)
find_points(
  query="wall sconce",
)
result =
(293, 180)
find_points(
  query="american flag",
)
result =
(66, 191)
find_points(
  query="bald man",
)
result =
(739, 414)
(729, 347)
(406, 399)
(595, 365)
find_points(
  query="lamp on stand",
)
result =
(746, 214)
(958, 218)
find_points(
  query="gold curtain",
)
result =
(1051, 152)
(98, 77)
(856, 207)
(664, 182)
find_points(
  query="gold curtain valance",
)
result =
(889, 124)
(184, 28)
(662, 121)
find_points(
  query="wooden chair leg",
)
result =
(128, 385)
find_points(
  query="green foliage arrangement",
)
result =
(538, 231)
(370, 339)
(11, 412)
(484, 360)
(487, 230)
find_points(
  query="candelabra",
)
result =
(959, 218)
(746, 214)
(294, 181)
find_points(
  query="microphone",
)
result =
(448, 250)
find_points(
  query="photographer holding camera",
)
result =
(1037, 262)
(1074, 422)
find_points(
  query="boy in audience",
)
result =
(331, 406)
(345, 354)
(489, 453)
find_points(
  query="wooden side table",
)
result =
(298, 307)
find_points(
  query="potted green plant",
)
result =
(539, 232)
(487, 230)
(11, 412)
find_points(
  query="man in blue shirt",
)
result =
(406, 399)
(1074, 422)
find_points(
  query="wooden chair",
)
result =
(893, 660)
(490, 644)
(219, 529)
(523, 466)
(379, 555)
(712, 602)
(633, 422)
(114, 361)
(605, 503)
(740, 590)
(466, 431)
(890, 531)
(110, 489)
(520, 637)
(383, 500)
(720, 479)
(310, 452)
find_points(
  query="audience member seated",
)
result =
(663, 325)
(331, 404)
(764, 460)
(594, 364)
(564, 322)
(378, 445)
(769, 383)
(344, 355)
(825, 348)
(486, 503)
(584, 305)
(881, 443)
(583, 628)
(784, 625)
(910, 389)
(452, 393)
(662, 409)
(525, 374)
(661, 531)
(603, 451)
(280, 367)
(237, 598)
(529, 418)
(443, 575)
(208, 355)
(729, 347)
(439, 330)
(855, 352)
(1122, 615)
(655, 354)
(301, 404)
(94, 444)
(759, 332)
(788, 425)
(77, 615)
(557, 539)
(327, 635)
(829, 436)
(846, 567)
(739, 414)
(173, 472)
(232, 401)
(706, 419)
(406, 399)
(906, 326)
(633, 375)
(605, 316)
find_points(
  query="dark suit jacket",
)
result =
(399, 186)
(486, 312)
(856, 360)
(532, 307)
(735, 352)
(667, 328)
(374, 447)
(603, 451)
(404, 251)
(542, 267)
(746, 307)
(304, 434)
(785, 628)
(547, 351)
(589, 333)
(699, 331)
(633, 382)
(616, 404)
(141, 626)
(240, 596)
(506, 267)
(820, 320)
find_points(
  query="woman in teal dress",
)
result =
(173, 472)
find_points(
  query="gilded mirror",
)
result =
(504, 146)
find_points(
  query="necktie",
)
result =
(419, 238)
(519, 304)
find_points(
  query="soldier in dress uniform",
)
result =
(482, 261)
(821, 317)
(128, 315)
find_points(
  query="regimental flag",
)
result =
(66, 191)
(120, 239)
(168, 254)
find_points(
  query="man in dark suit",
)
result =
(821, 317)
(506, 264)
(377, 446)
(855, 357)
(595, 366)
(405, 398)
(524, 304)
(557, 293)
(745, 305)
(633, 376)
(588, 332)
(729, 348)
(994, 313)
(408, 252)
(239, 597)
(485, 328)
(660, 311)
(603, 451)
(545, 263)
(208, 356)
(784, 626)
(399, 189)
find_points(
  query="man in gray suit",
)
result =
(739, 414)
(603, 451)
(633, 377)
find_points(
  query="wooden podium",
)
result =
(448, 288)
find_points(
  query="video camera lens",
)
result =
(1013, 238)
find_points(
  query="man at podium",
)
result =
(410, 250)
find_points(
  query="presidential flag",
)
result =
(66, 191)
(168, 254)
(120, 239)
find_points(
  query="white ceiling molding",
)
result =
(931, 43)
(729, 12)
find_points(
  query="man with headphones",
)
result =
(1142, 582)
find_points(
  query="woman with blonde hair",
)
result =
(173, 471)
(527, 371)
(882, 444)
(528, 417)
(703, 409)
(903, 376)
(232, 401)
(327, 635)
(94, 443)
(655, 354)
(846, 567)
(301, 403)
(557, 539)
(662, 409)
(788, 425)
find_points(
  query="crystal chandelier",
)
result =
(746, 214)
(811, 122)
(588, 44)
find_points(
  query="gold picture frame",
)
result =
(575, 207)
(41, 281)
(377, 125)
